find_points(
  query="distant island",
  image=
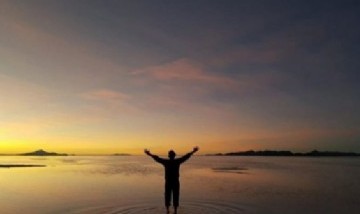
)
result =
(41, 152)
(121, 154)
(313, 153)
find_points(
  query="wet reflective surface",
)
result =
(198, 207)
(134, 184)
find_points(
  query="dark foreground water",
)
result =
(211, 185)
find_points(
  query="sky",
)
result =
(106, 76)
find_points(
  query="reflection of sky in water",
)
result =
(114, 184)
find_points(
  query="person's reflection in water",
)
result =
(172, 166)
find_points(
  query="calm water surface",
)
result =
(134, 184)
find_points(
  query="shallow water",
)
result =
(198, 207)
(134, 184)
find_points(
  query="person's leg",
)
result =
(167, 195)
(176, 193)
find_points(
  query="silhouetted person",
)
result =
(172, 166)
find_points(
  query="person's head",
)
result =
(171, 154)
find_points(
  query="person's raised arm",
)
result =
(195, 149)
(147, 152)
(188, 155)
(155, 157)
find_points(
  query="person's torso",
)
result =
(172, 168)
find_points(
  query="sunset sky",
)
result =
(103, 77)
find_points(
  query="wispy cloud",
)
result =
(106, 95)
(187, 85)
(107, 103)
(184, 70)
(182, 85)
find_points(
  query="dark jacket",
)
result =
(172, 166)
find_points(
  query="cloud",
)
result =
(107, 103)
(186, 85)
(184, 70)
(198, 79)
(181, 85)
(105, 95)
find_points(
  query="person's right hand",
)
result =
(195, 149)
(146, 151)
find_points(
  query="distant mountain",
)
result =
(313, 153)
(41, 152)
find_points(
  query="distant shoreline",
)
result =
(268, 153)
(19, 165)
(42, 152)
